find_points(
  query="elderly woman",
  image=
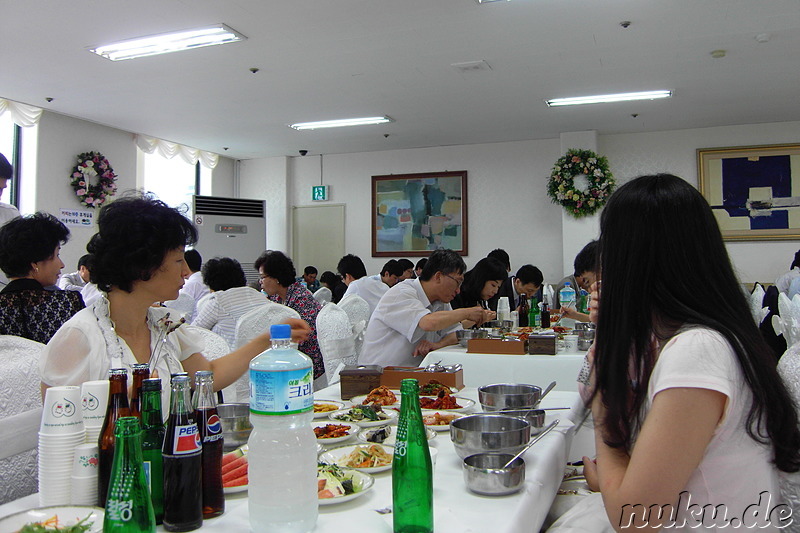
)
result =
(278, 281)
(230, 298)
(29, 248)
(139, 261)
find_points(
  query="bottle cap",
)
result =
(567, 283)
(280, 331)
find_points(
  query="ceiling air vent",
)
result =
(214, 205)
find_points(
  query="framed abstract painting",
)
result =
(414, 214)
(754, 191)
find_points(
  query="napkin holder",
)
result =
(542, 344)
(359, 379)
(393, 375)
(497, 346)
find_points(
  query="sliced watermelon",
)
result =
(233, 465)
(233, 474)
(238, 482)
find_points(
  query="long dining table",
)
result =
(455, 507)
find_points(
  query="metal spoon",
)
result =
(553, 424)
(548, 389)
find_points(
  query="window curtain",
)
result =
(22, 114)
(169, 150)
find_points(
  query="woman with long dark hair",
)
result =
(688, 406)
(480, 285)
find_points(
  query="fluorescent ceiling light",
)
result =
(606, 98)
(341, 123)
(488, 1)
(168, 42)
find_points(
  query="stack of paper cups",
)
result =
(84, 475)
(61, 431)
(94, 400)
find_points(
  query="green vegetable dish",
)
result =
(52, 524)
(358, 413)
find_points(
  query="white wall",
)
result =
(267, 179)
(508, 205)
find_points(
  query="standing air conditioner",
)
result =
(231, 227)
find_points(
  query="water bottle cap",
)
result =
(567, 283)
(280, 331)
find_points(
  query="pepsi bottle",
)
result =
(183, 464)
(210, 426)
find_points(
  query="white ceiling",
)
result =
(330, 59)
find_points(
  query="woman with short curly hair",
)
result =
(29, 256)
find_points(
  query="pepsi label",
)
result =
(187, 440)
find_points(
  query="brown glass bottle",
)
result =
(117, 408)
(141, 372)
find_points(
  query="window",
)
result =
(9, 133)
(173, 181)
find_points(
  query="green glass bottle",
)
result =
(412, 471)
(152, 442)
(128, 506)
(535, 316)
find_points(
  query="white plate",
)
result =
(442, 412)
(234, 490)
(350, 433)
(364, 433)
(358, 400)
(391, 413)
(365, 481)
(334, 455)
(465, 403)
(67, 515)
(324, 414)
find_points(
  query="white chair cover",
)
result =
(789, 370)
(185, 305)
(787, 321)
(249, 326)
(20, 415)
(336, 342)
(323, 295)
(756, 299)
(357, 310)
(216, 347)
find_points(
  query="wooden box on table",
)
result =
(359, 379)
(393, 375)
(497, 346)
(542, 344)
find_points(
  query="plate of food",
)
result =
(337, 485)
(365, 415)
(66, 518)
(386, 435)
(433, 387)
(436, 421)
(446, 402)
(330, 433)
(370, 458)
(322, 408)
(234, 471)
(383, 396)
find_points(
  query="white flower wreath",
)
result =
(93, 166)
(562, 188)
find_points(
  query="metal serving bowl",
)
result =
(535, 417)
(484, 473)
(509, 396)
(489, 433)
(236, 426)
(464, 335)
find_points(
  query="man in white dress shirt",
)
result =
(7, 211)
(415, 317)
(194, 286)
(372, 288)
(76, 281)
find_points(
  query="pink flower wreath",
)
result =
(91, 166)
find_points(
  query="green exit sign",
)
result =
(319, 193)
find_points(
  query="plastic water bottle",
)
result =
(282, 492)
(566, 296)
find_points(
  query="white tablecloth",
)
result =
(483, 368)
(456, 510)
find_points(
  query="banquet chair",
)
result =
(184, 304)
(323, 295)
(216, 347)
(252, 324)
(357, 310)
(789, 370)
(20, 415)
(336, 341)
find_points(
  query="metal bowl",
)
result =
(489, 433)
(535, 417)
(484, 473)
(464, 335)
(509, 396)
(236, 426)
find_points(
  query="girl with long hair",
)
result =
(688, 405)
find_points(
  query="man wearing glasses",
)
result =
(415, 317)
